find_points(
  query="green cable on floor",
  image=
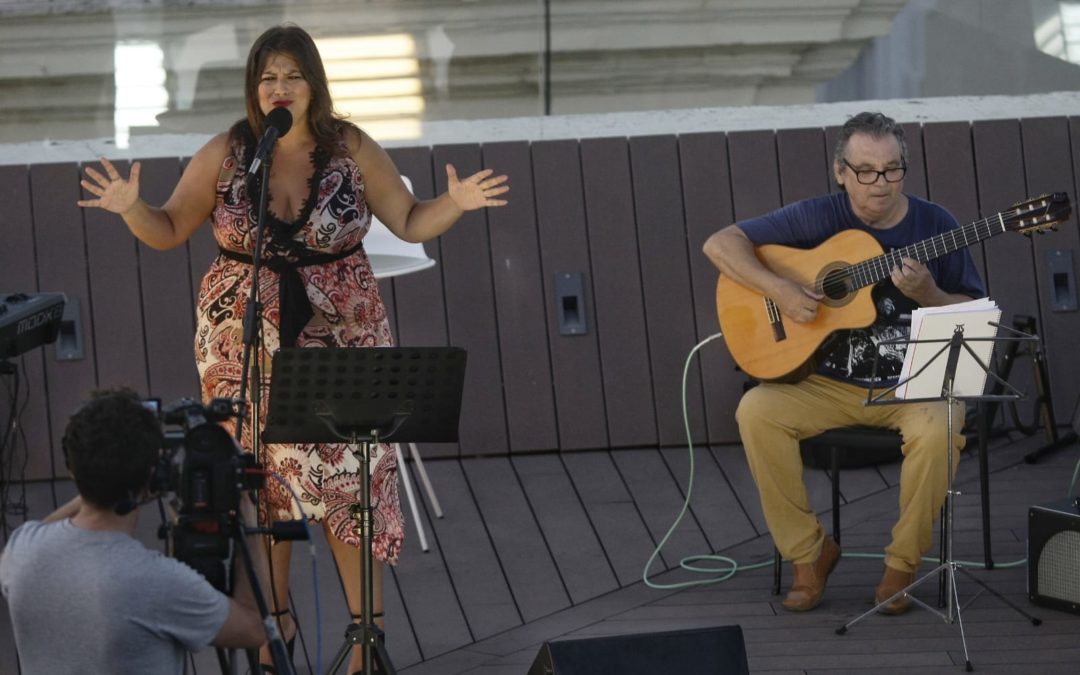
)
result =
(689, 563)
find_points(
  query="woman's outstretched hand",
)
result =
(474, 192)
(114, 192)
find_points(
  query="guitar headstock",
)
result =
(1038, 214)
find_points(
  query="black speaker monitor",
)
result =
(1054, 555)
(705, 651)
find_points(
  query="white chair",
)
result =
(391, 257)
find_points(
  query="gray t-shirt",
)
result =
(84, 601)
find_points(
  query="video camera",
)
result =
(207, 472)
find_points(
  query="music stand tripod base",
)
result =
(364, 396)
(948, 565)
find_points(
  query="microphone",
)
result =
(278, 123)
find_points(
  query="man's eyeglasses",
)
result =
(870, 176)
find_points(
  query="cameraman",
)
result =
(85, 595)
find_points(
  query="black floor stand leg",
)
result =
(1044, 404)
(371, 637)
(983, 420)
(366, 633)
(1042, 385)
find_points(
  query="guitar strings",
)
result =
(836, 284)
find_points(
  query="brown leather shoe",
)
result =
(892, 582)
(809, 585)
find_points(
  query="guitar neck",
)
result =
(870, 272)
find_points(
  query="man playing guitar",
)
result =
(869, 165)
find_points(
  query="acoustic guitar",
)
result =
(769, 346)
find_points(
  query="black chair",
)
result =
(833, 449)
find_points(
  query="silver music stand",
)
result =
(365, 396)
(951, 347)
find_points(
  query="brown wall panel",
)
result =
(61, 266)
(706, 183)
(202, 249)
(1010, 262)
(755, 178)
(619, 304)
(17, 263)
(18, 274)
(117, 316)
(915, 180)
(519, 304)
(166, 295)
(470, 311)
(1048, 167)
(665, 275)
(419, 307)
(564, 248)
(950, 168)
(803, 163)
(999, 165)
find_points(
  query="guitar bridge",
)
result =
(777, 324)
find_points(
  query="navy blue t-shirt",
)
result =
(849, 354)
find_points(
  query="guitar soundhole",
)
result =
(834, 285)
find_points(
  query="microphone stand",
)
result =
(250, 371)
(279, 121)
(253, 323)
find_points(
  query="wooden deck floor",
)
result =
(540, 547)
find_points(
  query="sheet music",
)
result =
(938, 323)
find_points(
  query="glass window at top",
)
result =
(118, 68)
(1057, 32)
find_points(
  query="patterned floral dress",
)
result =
(345, 309)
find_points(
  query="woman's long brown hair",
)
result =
(294, 42)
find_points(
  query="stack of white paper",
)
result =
(938, 323)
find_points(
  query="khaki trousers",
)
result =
(773, 418)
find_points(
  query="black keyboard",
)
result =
(28, 320)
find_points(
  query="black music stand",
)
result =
(364, 396)
(951, 348)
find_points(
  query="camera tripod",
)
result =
(213, 569)
(365, 396)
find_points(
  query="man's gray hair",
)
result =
(876, 125)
